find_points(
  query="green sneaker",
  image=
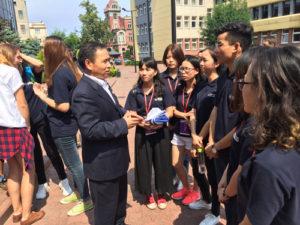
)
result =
(80, 208)
(71, 198)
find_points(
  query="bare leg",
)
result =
(14, 183)
(178, 154)
(195, 187)
(1, 168)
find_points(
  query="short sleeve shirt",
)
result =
(170, 83)
(241, 148)
(226, 118)
(269, 188)
(136, 101)
(204, 103)
(10, 82)
(184, 102)
(63, 83)
(37, 107)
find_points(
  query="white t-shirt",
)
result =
(10, 82)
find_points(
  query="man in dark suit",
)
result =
(104, 125)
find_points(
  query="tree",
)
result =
(93, 27)
(7, 34)
(72, 39)
(59, 33)
(223, 13)
(30, 47)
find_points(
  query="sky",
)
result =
(63, 14)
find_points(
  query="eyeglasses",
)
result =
(241, 83)
(185, 69)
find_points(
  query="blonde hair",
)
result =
(8, 51)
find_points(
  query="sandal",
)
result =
(3, 183)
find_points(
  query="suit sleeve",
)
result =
(90, 124)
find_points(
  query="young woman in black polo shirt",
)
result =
(152, 145)
(269, 183)
(182, 140)
(202, 108)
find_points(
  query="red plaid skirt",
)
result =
(14, 140)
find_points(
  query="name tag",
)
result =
(184, 128)
(150, 132)
(235, 137)
(211, 95)
(159, 99)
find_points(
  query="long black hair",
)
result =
(196, 64)
(150, 62)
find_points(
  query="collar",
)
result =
(139, 90)
(213, 83)
(99, 81)
(167, 75)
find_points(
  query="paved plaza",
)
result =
(137, 212)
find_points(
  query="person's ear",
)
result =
(237, 47)
(88, 64)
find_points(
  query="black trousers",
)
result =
(110, 199)
(153, 150)
(42, 128)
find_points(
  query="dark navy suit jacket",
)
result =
(104, 132)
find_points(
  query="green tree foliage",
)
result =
(72, 39)
(223, 13)
(30, 47)
(93, 27)
(7, 34)
(59, 33)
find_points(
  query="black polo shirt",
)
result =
(136, 101)
(269, 188)
(170, 82)
(37, 108)
(241, 148)
(204, 103)
(226, 119)
(63, 83)
(180, 91)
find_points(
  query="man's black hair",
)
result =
(87, 51)
(237, 32)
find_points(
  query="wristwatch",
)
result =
(213, 148)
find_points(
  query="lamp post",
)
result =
(132, 36)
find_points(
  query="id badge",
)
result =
(150, 132)
(184, 128)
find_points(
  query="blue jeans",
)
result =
(68, 150)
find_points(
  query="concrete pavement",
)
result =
(137, 212)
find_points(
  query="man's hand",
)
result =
(197, 141)
(209, 152)
(132, 119)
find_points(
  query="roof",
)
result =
(108, 5)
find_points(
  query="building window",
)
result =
(129, 26)
(121, 37)
(115, 26)
(194, 18)
(209, 12)
(145, 9)
(130, 37)
(141, 10)
(179, 42)
(186, 2)
(115, 16)
(201, 2)
(23, 30)
(150, 27)
(178, 2)
(285, 36)
(254, 39)
(37, 31)
(262, 36)
(296, 35)
(200, 21)
(297, 6)
(264, 11)
(178, 21)
(194, 44)
(193, 2)
(186, 21)
(201, 44)
(274, 34)
(114, 6)
(187, 44)
(142, 29)
(274, 10)
(255, 13)
(146, 28)
(286, 7)
(20, 13)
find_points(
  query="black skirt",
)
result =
(153, 150)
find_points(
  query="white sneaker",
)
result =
(200, 204)
(180, 186)
(42, 191)
(210, 219)
(65, 187)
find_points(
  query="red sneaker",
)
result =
(161, 201)
(191, 197)
(180, 194)
(150, 202)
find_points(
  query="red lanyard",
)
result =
(146, 104)
(187, 102)
(171, 89)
